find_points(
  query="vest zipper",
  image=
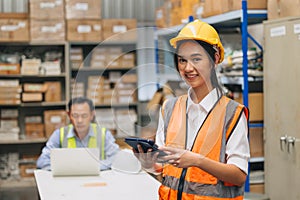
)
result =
(181, 184)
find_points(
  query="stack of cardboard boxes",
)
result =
(9, 126)
(14, 28)
(83, 20)
(10, 92)
(283, 8)
(54, 119)
(121, 122)
(64, 20)
(47, 21)
(176, 12)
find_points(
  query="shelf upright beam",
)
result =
(245, 50)
(245, 65)
(156, 46)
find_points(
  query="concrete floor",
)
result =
(25, 193)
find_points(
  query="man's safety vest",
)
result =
(211, 139)
(94, 141)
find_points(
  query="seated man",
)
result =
(81, 133)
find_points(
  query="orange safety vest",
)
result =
(192, 182)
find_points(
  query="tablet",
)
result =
(145, 144)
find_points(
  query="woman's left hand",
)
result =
(180, 157)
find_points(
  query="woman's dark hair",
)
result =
(81, 100)
(211, 54)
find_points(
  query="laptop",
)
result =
(75, 161)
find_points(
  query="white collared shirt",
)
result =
(237, 148)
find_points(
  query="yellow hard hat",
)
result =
(199, 30)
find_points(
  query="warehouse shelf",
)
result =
(34, 43)
(256, 125)
(36, 104)
(104, 42)
(62, 75)
(227, 20)
(10, 105)
(234, 18)
(116, 105)
(89, 69)
(43, 104)
(48, 43)
(13, 15)
(24, 141)
(257, 159)
(81, 69)
(18, 183)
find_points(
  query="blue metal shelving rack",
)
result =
(245, 36)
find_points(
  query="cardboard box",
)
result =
(76, 57)
(256, 107)
(187, 8)
(257, 188)
(215, 7)
(119, 29)
(53, 92)
(34, 87)
(9, 82)
(8, 123)
(10, 101)
(175, 16)
(11, 89)
(9, 113)
(31, 66)
(54, 119)
(94, 94)
(129, 78)
(27, 170)
(47, 9)
(98, 58)
(256, 142)
(128, 60)
(6, 68)
(47, 30)
(96, 80)
(84, 30)
(251, 4)
(114, 76)
(283, 8)
(10, 95)
(51, 67)
(83, 9)
(32, 97)
(34, 130)
(33, 119)
(160, 17)
(14, 30)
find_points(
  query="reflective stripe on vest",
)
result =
(71, 142)
(195, 182)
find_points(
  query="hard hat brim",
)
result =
(173, 43)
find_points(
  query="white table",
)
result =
(110, 185)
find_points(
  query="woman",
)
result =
(204, 133)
